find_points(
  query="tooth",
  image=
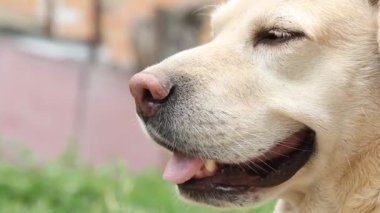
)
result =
(199, 175)
(210, 166)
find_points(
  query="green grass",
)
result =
(66, 186)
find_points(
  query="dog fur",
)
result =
(237, 98)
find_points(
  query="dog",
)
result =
(283, 103)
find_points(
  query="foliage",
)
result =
(68, 186)
(59, 187)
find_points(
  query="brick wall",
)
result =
(73, 19)
(21, 7)
(29, 15)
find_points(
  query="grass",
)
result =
(67, 186)
(58, 187)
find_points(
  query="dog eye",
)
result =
(277, 36)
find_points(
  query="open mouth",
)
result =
(276, 166)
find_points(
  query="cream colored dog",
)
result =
(284, 103)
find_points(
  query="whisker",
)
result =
(207, 7)
(266, 164)
(258, 166)
(277, 153)
(249, 166)
(294, 148)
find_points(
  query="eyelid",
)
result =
(260, 35)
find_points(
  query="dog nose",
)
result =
(149, 93)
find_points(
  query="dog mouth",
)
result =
(196, 176)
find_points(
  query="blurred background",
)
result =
(69, 137)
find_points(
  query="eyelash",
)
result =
(277, 36)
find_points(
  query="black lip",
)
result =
(239, 178)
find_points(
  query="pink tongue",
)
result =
(181, 168)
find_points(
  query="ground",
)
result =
(40, 97)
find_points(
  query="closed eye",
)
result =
(277, 36)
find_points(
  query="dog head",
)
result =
(262, 109)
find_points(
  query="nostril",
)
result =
(151, 105)
(150, 93)
(149, 99)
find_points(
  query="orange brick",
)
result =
(20, 7)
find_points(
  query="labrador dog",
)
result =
(283, 103)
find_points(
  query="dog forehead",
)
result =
(259, 13)
(239, 9)
(315, 17)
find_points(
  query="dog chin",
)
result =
(249, 199)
